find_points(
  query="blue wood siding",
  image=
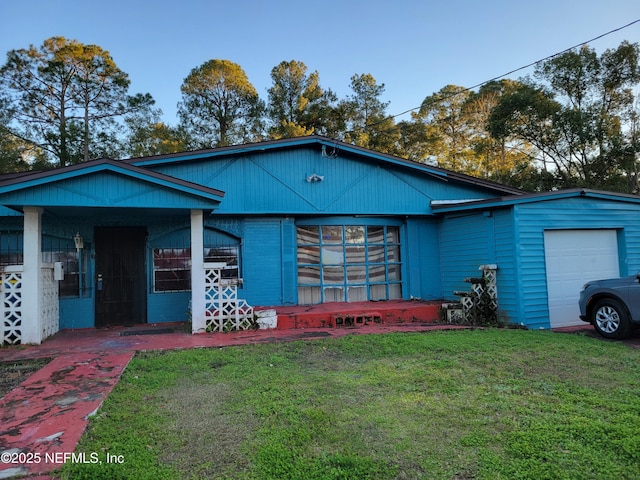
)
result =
(422, 259)
(571, 213)
(508, 265)
(289, 262)
(276, 182)
(466, 242)
(168, 307)
(262, 262)
(481, 238)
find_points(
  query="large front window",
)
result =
(348, 263)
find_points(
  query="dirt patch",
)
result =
(14, 373)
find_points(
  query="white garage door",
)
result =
(572, 258)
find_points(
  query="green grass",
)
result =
(482, 404)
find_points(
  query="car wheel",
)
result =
(610, 319)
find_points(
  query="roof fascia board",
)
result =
(535, 197)
(221, 151)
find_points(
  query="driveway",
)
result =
(589, 331)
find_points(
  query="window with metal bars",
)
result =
(11, 245)
(172, 266)
(171, 269)
(74, 264)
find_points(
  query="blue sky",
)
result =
(414, 47)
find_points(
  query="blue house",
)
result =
(290, 222)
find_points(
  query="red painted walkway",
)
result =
(44, 417)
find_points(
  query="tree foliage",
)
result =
(450, 130)
(447, 131)
(220, 106)
(576, 122)
(65, 97)
(577, 117)
(148, 135)
(297, 104)
(367, 122)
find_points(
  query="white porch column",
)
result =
(31, 278)
(198, 283)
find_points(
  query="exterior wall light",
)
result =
(77, 239)
(313, 178)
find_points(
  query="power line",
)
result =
(513, 71)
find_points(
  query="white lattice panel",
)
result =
(224, 310)
(490, 273)
(483, 298)
(11, 307)
(49, 315)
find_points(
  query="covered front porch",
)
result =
(103, 215)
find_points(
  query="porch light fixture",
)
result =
(77, 239)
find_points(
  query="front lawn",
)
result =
(481, 404)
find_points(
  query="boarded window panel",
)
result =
(333, 255)
(395, 291)
(357, 294)
(309, 295)
(334, 294)
(378, 292)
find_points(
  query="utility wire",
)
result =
(512, 71)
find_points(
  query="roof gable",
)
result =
(105, 183)
(308, 180)
(329, 148)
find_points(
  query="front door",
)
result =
(121, 294)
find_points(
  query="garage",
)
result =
(573, 257)
(546, 246)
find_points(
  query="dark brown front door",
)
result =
(121, 294)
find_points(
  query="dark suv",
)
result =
(612, 306)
